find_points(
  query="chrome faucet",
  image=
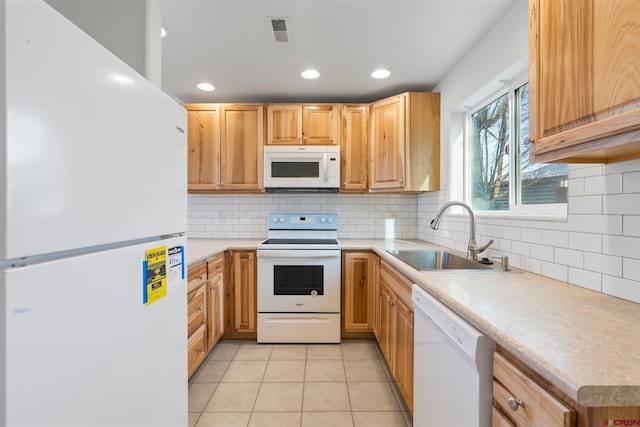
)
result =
(472, 249)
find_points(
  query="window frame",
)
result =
(544, 211)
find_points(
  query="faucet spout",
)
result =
(472, 248)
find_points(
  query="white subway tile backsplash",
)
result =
(628, 247)
(621, 288)
(579, 171)
(531, 235)
(585, 279)
(555, 271)
(585, 205)
(622, 204)
(607, 264)
(576, 187)
(631, 183)
(555, 238)
(597, 247)
(631, 269)
(631, 225)
(544, 253)
(585, 242)
(569, 257)
(603, 224)
(603, 184)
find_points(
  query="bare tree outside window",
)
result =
(493, 166)
(489, 156)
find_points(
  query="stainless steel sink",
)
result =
(430, 260)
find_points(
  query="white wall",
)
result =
(597, 247)
(360, 216)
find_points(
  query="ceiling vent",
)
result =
(280, 30)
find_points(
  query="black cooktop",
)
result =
(300, 242)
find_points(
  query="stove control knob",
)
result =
(281, 220)
(314, 293)
(323, 220)
(330, 220)
(274, 220)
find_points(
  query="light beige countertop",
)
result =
(583, 342)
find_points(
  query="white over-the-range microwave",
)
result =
(302, 168)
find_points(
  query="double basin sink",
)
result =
(434, 260)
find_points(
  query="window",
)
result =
(500, 176)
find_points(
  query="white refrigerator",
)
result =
(92, 222)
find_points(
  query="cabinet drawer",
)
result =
(215, 265)
(197, 276)
(196, 305)
(537, 408)
(196, 349)
(499, 420)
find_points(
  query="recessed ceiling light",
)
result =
(207, 87)
(310, 74)
(163, 32)
(381, 74)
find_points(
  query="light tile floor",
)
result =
(246, 384)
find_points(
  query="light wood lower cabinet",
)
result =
(358, 298)
(395, 332)
(524, 401)
(215, 300)
(196, 349)
(499, 420)
(205, 303)
(243, 312)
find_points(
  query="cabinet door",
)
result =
(387, 144)
(196, 308)
(375, 285)
(354, 149)
(241, 147)
(584, 79)
(387, 328)
(284, 124)
(357, 301)
(320, 125)
(244, 278)
(215, 300)
(196, 349)
(203, 145)
(404, 350)
(215, 314)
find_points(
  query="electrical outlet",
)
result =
(393, 215)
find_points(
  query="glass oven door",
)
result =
(299, 281)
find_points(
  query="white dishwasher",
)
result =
(452, 362)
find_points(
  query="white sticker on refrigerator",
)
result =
(176, 263)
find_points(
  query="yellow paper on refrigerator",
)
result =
(155, 275)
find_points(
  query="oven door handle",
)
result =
(300, 253)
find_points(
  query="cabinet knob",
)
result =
(515, 404)
(391, 302)
(200, 277)
(199, 308)
(530, 141)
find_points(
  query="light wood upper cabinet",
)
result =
(203, 142)
(284, 124)
(225, 147)
(241, 147)
(405, 143)
(584, 76)
(293, 124)
(354, 148)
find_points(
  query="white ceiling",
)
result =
(230, 43)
